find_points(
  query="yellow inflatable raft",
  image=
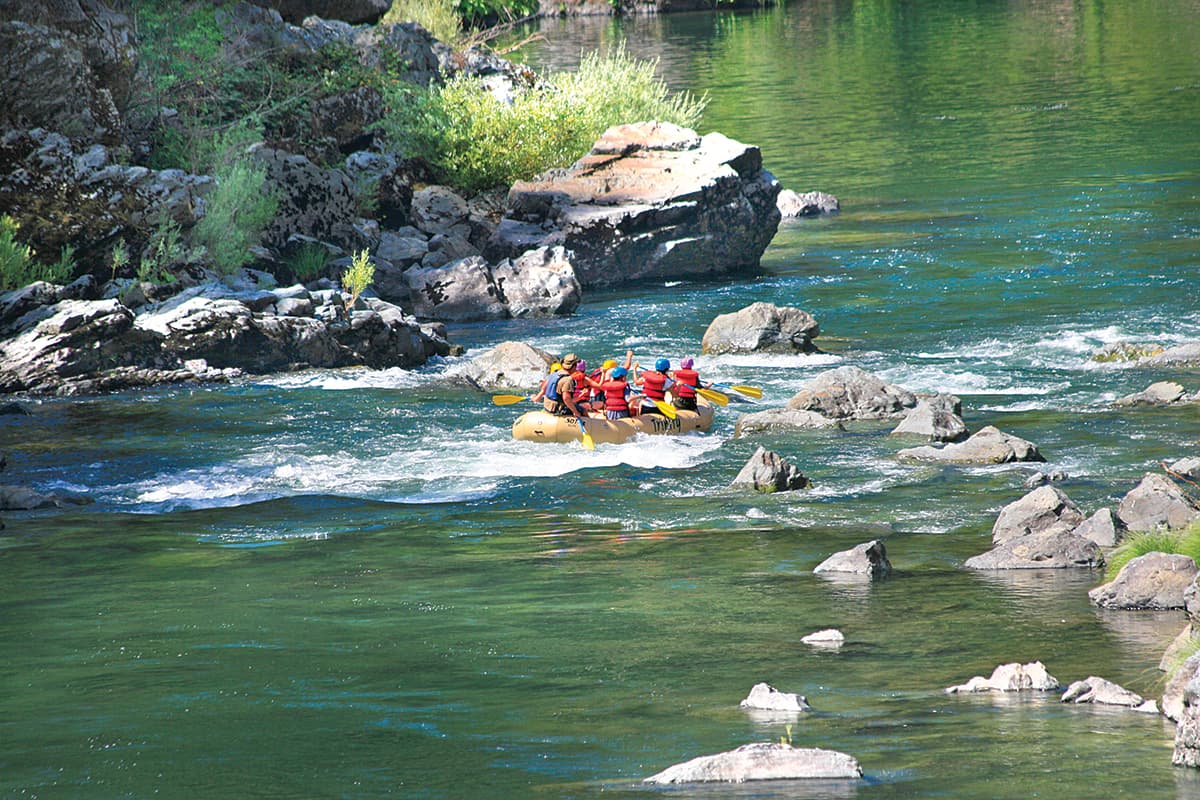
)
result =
(540, 426)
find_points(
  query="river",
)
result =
(355, 584)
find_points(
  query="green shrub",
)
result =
(474, 141)
(18, 265)
(164, 253)
(308, 263)
(119, 258)
(358, 276)
(439, 17)
(238, 211)
(1185, 542)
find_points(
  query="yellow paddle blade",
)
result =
(667, 409)
(749, 391)
(507, 399)
(588, 442)
(712, 395)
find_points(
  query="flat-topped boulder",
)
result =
(1153, 581)
(761, 328)
(988, 445)
(651, 201)
(1055, 549)
(852, 393)
(762, 761)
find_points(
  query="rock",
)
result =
(1181, 355)
(14, 409)
(987, 446)
(1011, 678)
(1156, 394)
(296, 11)
(1152, 581)
(761, 761)
(539, 283)
(934, 418)
(19, 302)
(463, 291)
(766, 697)
(783, 419)
(1044, 510)
(769, 472)
(1155, 503)
(761, 327)
(1172, 700)
(1125, 351)
(447, 247)
(830, 637)
(809, 204)
(1183, 644)
(403, 251)
(23, 498)
(1188, 468)
(1102, 528)
(509, 365)
(1099, 690)
(868, 558)
(439, 210)
(1053, 550)
(313, 201)
(852, 393)
(1040, 478)
(1187, 731)
(294, 307)
(651, 201)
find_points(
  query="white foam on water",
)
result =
(772, 361)
(347, 379)
(929, 378)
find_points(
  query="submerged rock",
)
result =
(766, 697)
(23, 498)
(1011, 678)
(1155, 503)
(1152, 581)
(1039, 478)
(761, 761)
(761, 327)
(868, 558)
(987, 446)
(767, 472)
(852, 393)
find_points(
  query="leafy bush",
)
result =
(163, 254)
(358, 276)
(439, 17)
(308, 263)
(1185, 542)
(238, 211)
(475, 141)
(18, 266)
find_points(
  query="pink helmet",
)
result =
(687, 363)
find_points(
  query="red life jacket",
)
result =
(654, 385)
(614, 396)
(686, 379)
(582, 392)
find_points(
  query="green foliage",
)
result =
(439, 17)
(1180, 655)
(18, 266)
(238, 211)
(1185, 542)
(358, 276)
(119, 258)
(163, 254)
(475, 141)
(483, 11)
(308, 263)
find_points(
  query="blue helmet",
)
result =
(662, 365)
(620, 372)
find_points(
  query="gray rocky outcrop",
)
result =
(509, 365)
(1151, 581)
(765, 697)
(986, 446)
(652, 201)
(809, 204)
(1042, 511)
(768, 472)
(358, 11)
(1162, 393)
(868, 558)
(539, 283)
(1104, 692)
(852, 393)
(24, 498)
(1013, 677)
(1052, 550)
(1187, 731)
(759, 328)
(761, 761)
(1156, 502)
(776, 419)
(936, 418)
(1172, 700)
(1102, 528)
(313, 201)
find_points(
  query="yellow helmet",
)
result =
(608, 364)
(555, 367)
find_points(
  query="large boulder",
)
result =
(852, 393)
(1052, 550)
(768, 472)
(538, 283)
(761, 761)
(1155, 503)
(1013, 677)
(869, 558)
(782, 419)
(509, 365)
(313, 201)
(761, 327)
(936, 419)
(1153, 581)
(463, 291)
(988, 445)
(652, 201)
(1102, 528)
(1044, 510)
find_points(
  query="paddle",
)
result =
(749, 391)
(711, 395)
(507, 399)
(588, 442)
(667, 409)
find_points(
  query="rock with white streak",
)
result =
(762, 761)
(765, 697)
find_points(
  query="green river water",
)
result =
(355, 584)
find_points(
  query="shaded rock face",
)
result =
(651, 201)
(1011, 678)
(295, 11)
(936, 419)
(1187, 731)
(868, 558)
(761, 328)
(809, 204)
(783, 419)
(761, 761)
(65, 65)
(539, 283)
(1052, 550)
(768, 472)
(509, 365)
(1155, 503)
(1152, 581)
(313, 201)
(1044, 510)
(988, 445)
(766, 697)
(852, 393)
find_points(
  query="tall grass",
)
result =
(439, 17)
(18, 263)
(475, 141)
(1185, 542)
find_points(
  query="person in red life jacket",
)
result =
(616, 406)
(687, 380)
(654, 383)
(583, 392)
(558, 394)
